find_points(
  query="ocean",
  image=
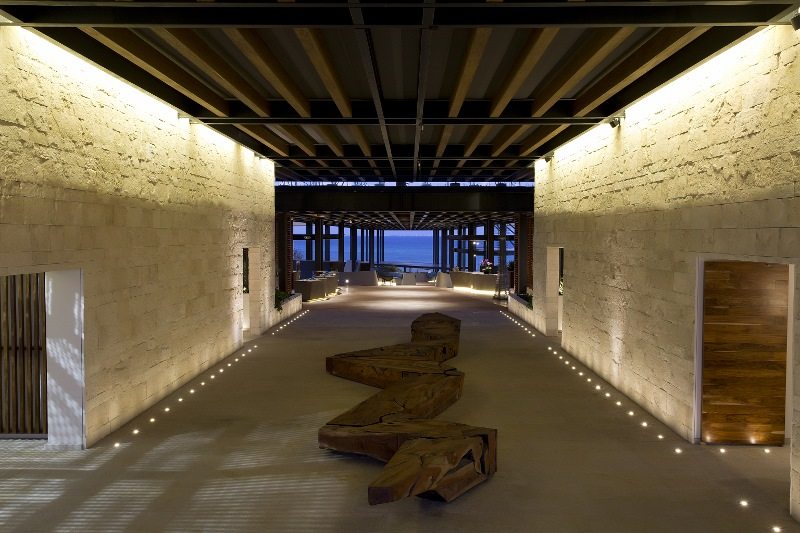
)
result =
(401, 247)
(415, 248)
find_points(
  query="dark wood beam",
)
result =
(136, 50)
(655, 50)
(530, 55)
(194, 49)
(478, 40)
(583, 59)
(140, 14)
(367, 53)
(423, 63)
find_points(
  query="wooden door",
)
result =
(23, 362)
(745, 308)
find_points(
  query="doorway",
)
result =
(745, 327)
(245, 289)
(553, 298)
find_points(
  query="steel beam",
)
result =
(135, 14)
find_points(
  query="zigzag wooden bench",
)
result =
(428, 458)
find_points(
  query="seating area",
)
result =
(474, 280)
(317, 287)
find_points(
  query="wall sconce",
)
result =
(614, 122)
(548, 158)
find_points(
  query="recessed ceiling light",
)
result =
(630, 413)
(116, 445)
(135, 431)
(152, 420)
(744, 503)
(166, 409)
(678, 450)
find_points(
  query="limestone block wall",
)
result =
(155, 211)
(706, 167)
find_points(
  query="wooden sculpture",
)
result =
(428, 458)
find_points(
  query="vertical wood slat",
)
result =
(27, 356)
(42, 353)
(23, 369)
(13, 316)
(5, 393)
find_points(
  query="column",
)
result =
(340, 243)
(451, 248)
(471, 266)
(309, 242)
(489, 234)
(353, 245)
(283, 250)
(435, 251)
(318, 238)
(326, 242)
(443, 255)
(371, 247)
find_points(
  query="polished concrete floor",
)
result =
(240, 453)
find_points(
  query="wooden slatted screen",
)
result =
(23, 361)
(745, 308)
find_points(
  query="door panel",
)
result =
(745, 312)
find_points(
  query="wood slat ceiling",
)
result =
(399, 91)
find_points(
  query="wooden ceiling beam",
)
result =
(317, 52)
(314, 46)
(535, 47)
(139, 52)
(654, 51)
(478, 39)
(189, 44)
(267, 64)
(586, 56)
(196, 50)
(268, 138)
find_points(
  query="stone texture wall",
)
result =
(155, 211)
(707, 167)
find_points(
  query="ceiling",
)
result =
(434, 90)
(404, 208)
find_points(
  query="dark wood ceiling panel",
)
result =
(473, 90)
